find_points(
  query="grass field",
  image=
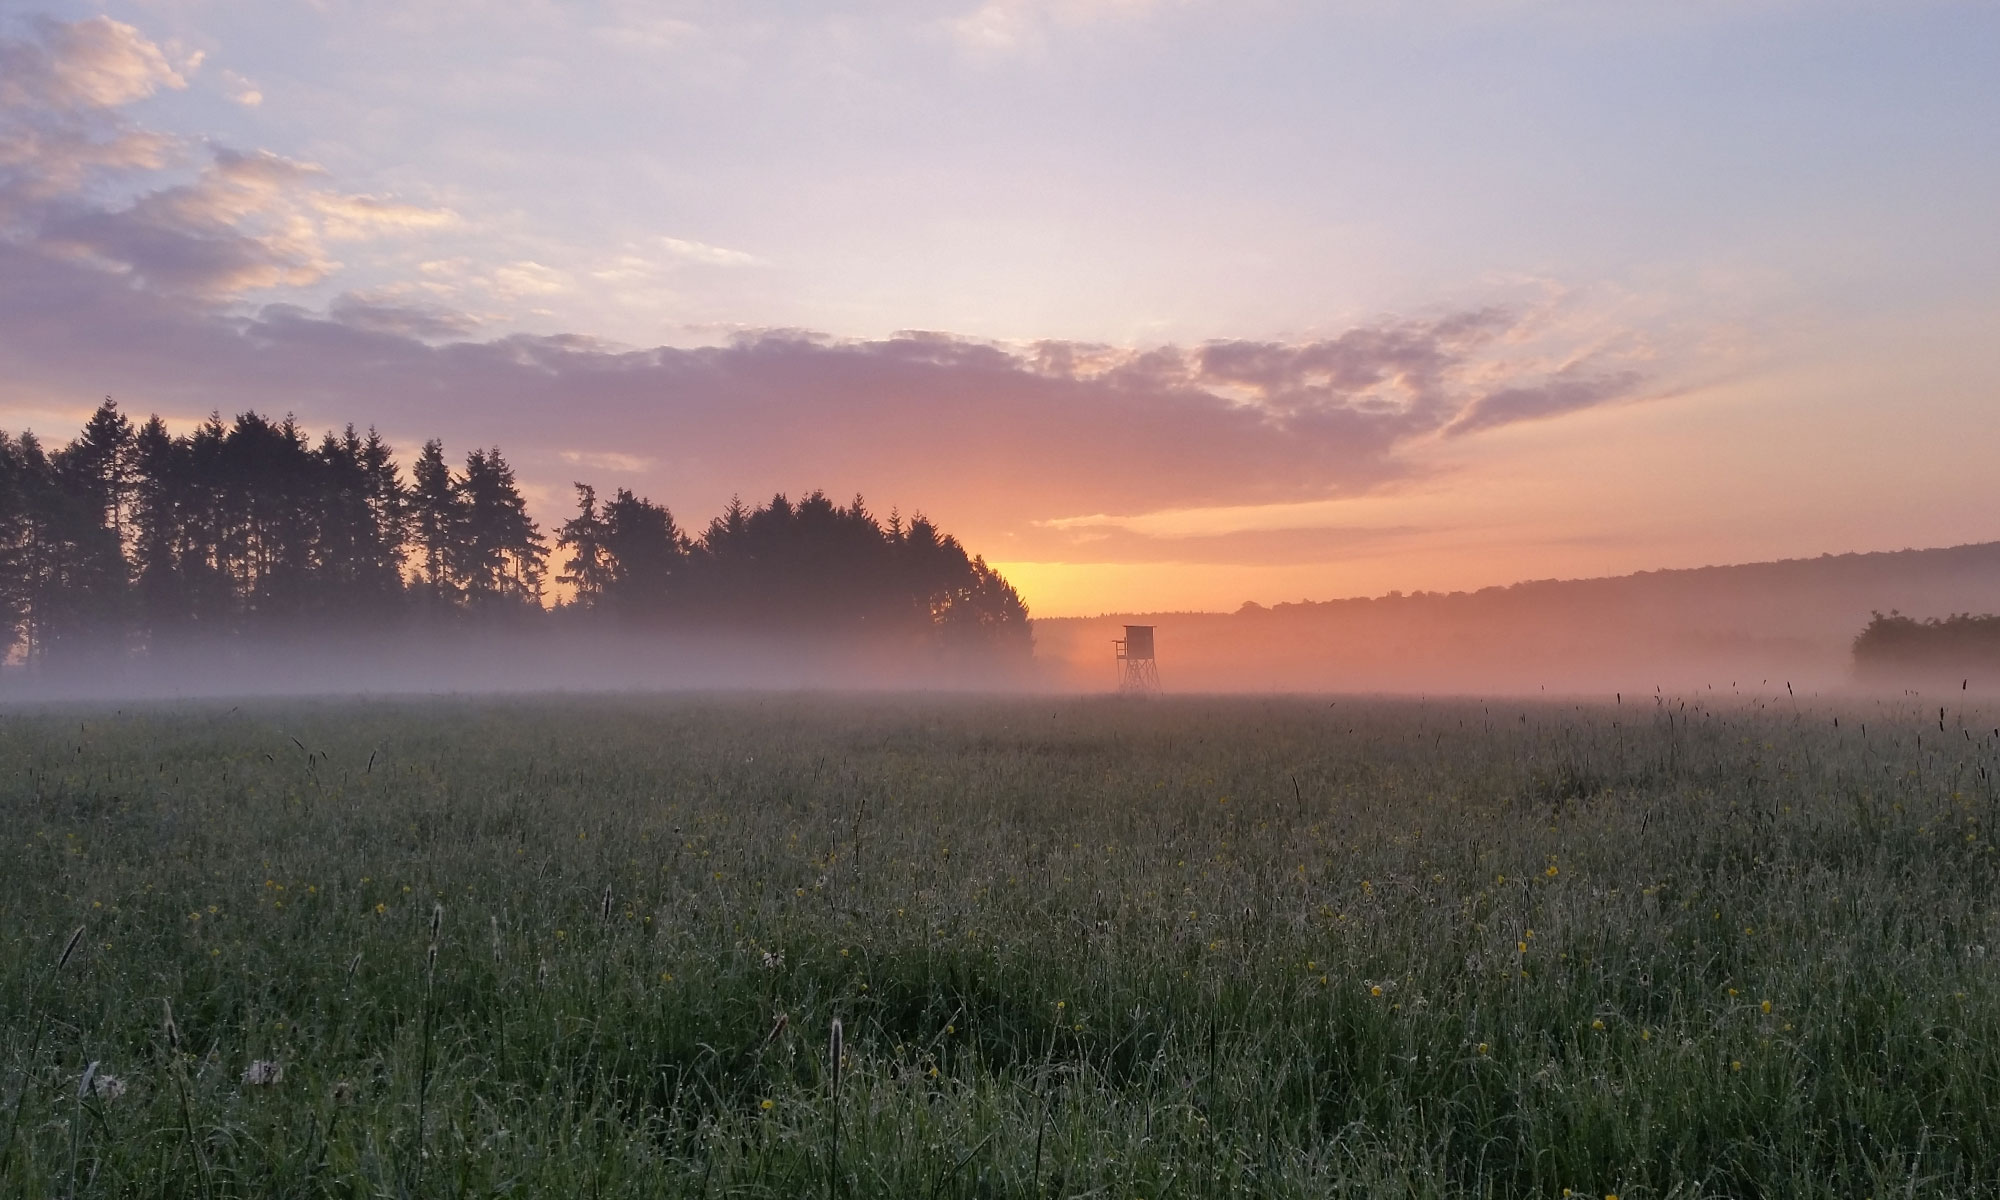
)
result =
(595, 947)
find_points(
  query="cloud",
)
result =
(59, 92)
(1565, 393)
(351, 217)
(237, 227)
(243, 221)
(528, 278)
(425, 322)
(242, 91)
(607, 460)
(1004, 25)
(149, 297)
(1113, 543)
(83, 66)
(983, 435)
(649, 33)
(702, 252)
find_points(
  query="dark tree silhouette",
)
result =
(102, 461)
(1954, 647)
(66, 589)
(648, 556)
(588, 569)
(136, 539)
(161, 522)
(437, 523)
(501, 553)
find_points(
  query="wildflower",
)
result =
(1551, 872)
(1736, 1064)
(1375, 989)
(767, 1106)
(1483, 1047)
(1597, 1024)
(1767, 1006)
(773, 960)
(263, 1073)
(101, 1084)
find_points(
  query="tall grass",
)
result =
(1185, 948)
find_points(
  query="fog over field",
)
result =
(1717, 627)
(465, 663)
(1753, 628)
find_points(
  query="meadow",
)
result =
(1713, 945)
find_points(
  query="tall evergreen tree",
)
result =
(588, 569)
(646, 552)
(101, 461)
(389, 507)
(208, 535)
(16, 585)
(502, 551)
(160, 540)
(437, 523)
(72, 568)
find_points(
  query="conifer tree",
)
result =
(647, 553)
(502, 549)
(437, 522)
(101, 460)
(587, 570)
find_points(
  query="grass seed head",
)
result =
(69, 949)
(834, 1052)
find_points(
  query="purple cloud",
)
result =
(977, 432)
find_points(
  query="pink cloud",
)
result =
(976, 432)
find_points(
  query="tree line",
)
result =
(129, 539)
(1959, 645)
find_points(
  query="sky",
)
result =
(1157, 304)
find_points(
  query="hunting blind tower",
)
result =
(1138, 673)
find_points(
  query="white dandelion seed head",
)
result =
(263, 1073)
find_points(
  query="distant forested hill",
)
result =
(1791, 621)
